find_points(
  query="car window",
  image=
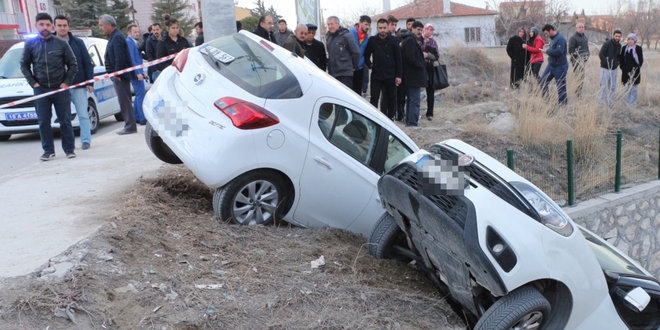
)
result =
(94, 54)
(252, 67)
(10, 64)
(349, 131)
(396, 151)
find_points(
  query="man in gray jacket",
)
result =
(578, 49)
(48, 64)
(343, 52)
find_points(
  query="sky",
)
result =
(353, 8)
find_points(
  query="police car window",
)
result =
(93, 53)
(349, 131)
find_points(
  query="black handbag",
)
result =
(440, 80)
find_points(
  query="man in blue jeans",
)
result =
(138, 83)
(85, 72)
(414, 72)
(48, 64)
(557, 67)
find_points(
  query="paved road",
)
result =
(45, 207)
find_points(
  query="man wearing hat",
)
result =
(314, 49)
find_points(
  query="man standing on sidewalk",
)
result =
(138, 84)
(85, 72)
(48, 64)
(117, 58)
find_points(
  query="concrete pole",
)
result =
(219, 18)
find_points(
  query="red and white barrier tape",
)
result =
(96, 78)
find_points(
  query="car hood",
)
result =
(16, 87)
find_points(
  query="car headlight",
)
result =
(551, 215)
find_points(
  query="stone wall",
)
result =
(628, 220)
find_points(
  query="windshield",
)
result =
(609, 259)
(10, 64)
(252, 67)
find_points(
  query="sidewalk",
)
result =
(49, 206)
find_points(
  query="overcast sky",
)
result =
(352, 8)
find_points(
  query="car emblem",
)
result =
(199, 78)
(465, 160)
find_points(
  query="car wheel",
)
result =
(525, 308)
(255, 198)
(388, 241)
(158, 147)
(119, 117)
(5, 137)
(93, 117)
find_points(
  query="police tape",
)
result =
(96, 78)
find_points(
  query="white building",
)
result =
(454, 23)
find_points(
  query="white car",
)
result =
(503, 250)
(277, 137)
(22, 118)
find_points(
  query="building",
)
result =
(17, 16)
(455, 23)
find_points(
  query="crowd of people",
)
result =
(526, 49)
(400, 61)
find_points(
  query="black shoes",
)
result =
(71, 154)
(47, 156)
(124, 132)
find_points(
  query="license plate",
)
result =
(16, 116)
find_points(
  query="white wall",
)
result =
(451, 30)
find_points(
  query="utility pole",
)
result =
(219, 18)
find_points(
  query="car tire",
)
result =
(119, 117)
(5, 137)
(158, 147)
(255, 198)
(524, 308)
(388, 241)
(93, 116)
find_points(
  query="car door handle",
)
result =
(323, 162)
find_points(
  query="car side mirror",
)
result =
(637, 299)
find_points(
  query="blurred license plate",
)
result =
(16, 116)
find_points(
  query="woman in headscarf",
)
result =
(630, 62)
(534, 48)
(430, 49)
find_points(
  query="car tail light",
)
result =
(246, 115)
(180, 59)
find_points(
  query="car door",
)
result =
(336, 185)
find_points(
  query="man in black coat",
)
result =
(117, 58)
(314, 49)
(385, 67)
(265, 28)
(518, 55)
(414, 72)
(152, 47)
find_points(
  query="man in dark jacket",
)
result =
(517, 54)
(609, 63)
(199, 30)
(578, 49)
(265, 28)
(283, 33)
(48, 64)
(295, 42)
(385, 67)
(314, 49)
(557, 67)
(414, 72)
(343, 52)
(117, 58)
(152, 48)
(85, 72)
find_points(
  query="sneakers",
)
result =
(47, 156)
(71, 154)
(85, 145)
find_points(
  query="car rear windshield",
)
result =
(10, 64)
(252, 67)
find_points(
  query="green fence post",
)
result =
(569, 166)
(509, 159)
(617, 175)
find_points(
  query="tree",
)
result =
(84, 14)
(176, 9)
(643, 20)
(260, 10)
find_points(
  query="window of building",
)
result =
(472, 34)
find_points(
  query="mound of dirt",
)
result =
(166, 262)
